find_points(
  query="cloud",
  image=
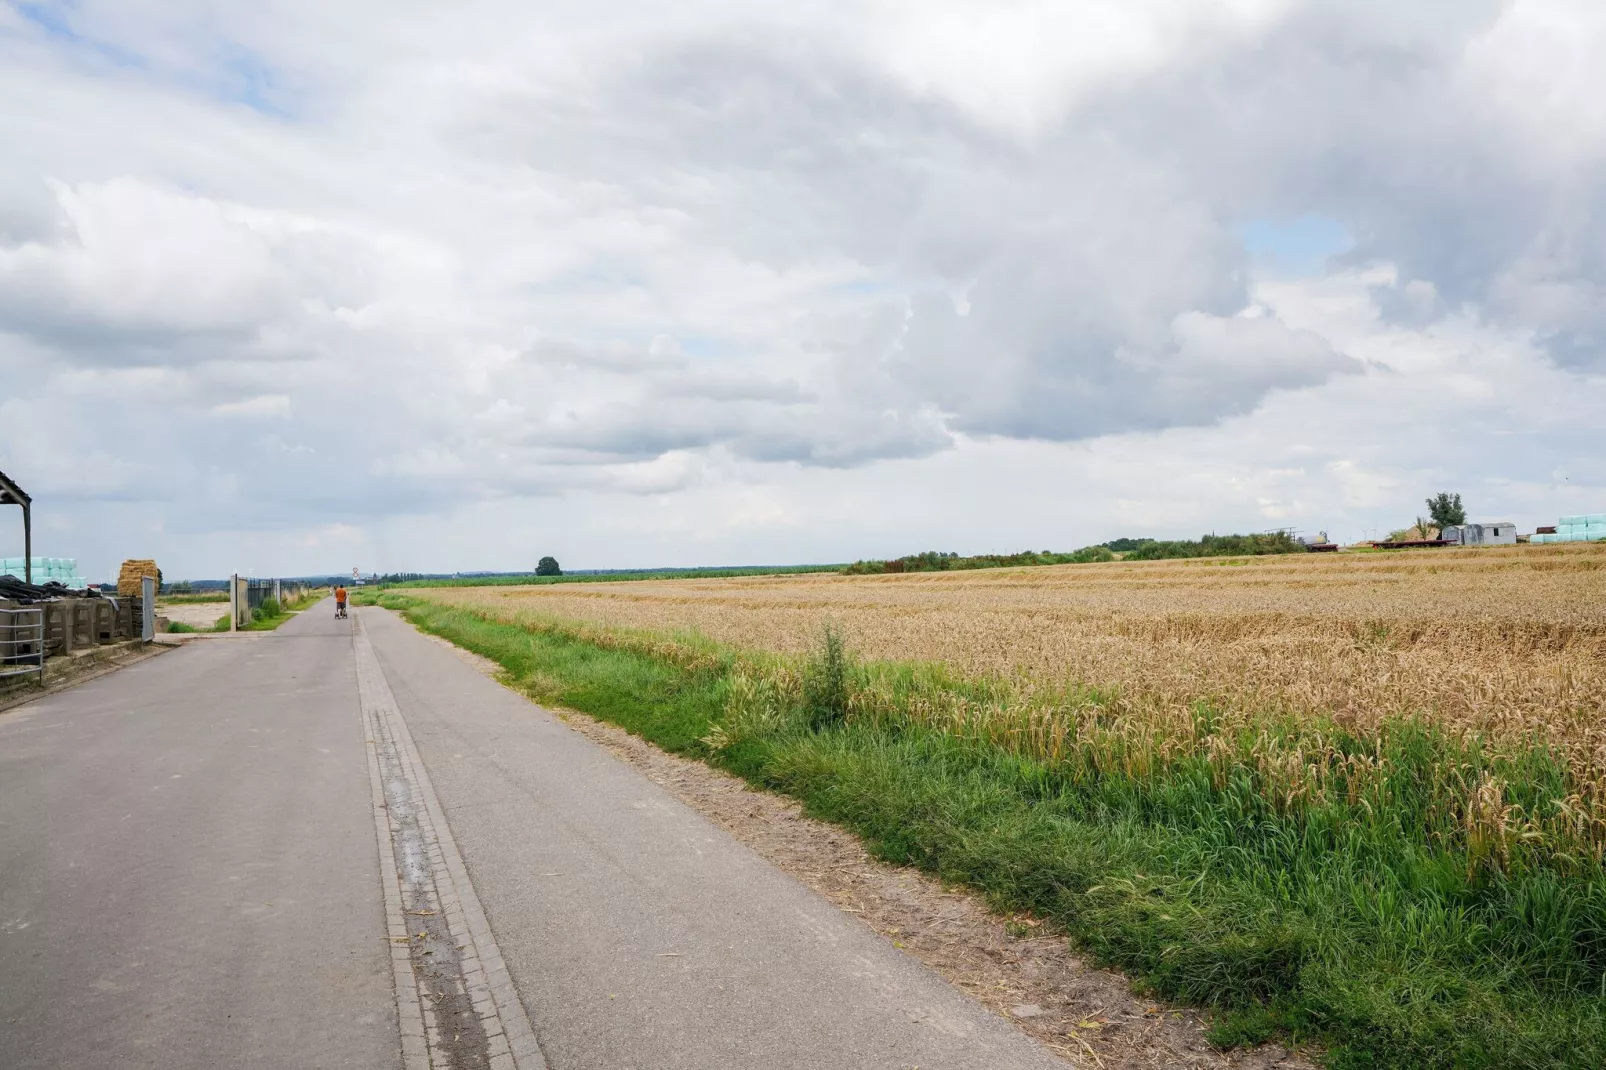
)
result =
(261, 405)
(353, 266)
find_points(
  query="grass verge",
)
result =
(1371, 925)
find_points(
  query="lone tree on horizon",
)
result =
(1445, 509)
(548, 566)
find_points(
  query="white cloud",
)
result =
(261, 405)
(720, 281)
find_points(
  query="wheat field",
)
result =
(1506, 641)
(1501, 648)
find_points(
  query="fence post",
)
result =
(234, 602)
(147, 606)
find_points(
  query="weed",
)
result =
(827, 681)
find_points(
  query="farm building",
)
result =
(1498, 533)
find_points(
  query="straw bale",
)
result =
(132, 572)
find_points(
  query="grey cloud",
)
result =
(755, 430)
(717, 386)
(1071, 254)
(1387, 119)
(561, 353)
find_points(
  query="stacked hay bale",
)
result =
(132, 572)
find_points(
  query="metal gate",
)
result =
(22, 642)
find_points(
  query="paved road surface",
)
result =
(189, 877)
(188, 872)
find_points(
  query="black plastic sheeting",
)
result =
(18, 591)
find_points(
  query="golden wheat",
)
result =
(1508, 644)
(1501, 640)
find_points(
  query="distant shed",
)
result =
(1496, 533)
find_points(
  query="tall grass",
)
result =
(1403, 894)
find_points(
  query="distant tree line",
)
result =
(1130, 549)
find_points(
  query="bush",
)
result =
(269, 609)
(935, 561)
(1279, 542)
(178, 627)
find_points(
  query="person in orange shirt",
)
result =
(340, 600)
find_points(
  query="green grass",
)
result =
(178, 627)
(195, 598)
(268, 616)
(260, 621)
(1367, 927)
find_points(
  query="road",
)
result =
(335, 844)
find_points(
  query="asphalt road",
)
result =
(189, 878)
(188, 874)
(640, 935)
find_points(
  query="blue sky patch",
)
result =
(1298, 246)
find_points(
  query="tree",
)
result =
(548, 566)
(1445, 509)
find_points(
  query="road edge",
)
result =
(511, 1041)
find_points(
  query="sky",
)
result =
(290, 287)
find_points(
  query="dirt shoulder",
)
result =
(1012, 965)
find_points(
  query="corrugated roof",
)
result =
(11, 494)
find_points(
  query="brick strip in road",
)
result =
(455, 1001)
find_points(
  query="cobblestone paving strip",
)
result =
(454, 998)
